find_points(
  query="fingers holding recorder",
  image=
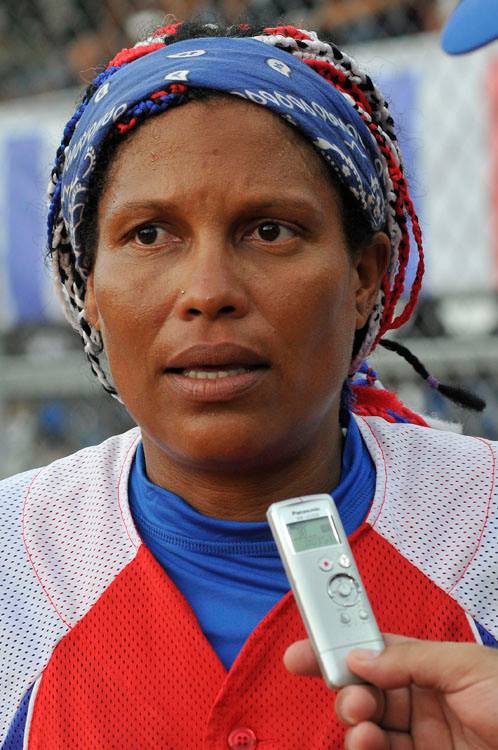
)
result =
(410, 682)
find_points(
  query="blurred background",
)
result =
(447, 110)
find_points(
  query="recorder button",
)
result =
(345, 618)
(363, 614)
(344, 561)
(343, 590)
(325, 564)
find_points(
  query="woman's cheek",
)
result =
(132, 301)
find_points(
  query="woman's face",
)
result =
(223, 287)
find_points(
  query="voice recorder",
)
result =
(326, 583)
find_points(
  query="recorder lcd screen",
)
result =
(317, 532)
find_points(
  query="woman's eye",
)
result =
(148, 235)
(271, 231)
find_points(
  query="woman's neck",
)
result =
(242, 493)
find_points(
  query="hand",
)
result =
(422, 695)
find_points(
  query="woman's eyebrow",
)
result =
(286, 201)
(246, 205)
(128, 211)
(116, 207)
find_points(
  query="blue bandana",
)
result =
(244, 67)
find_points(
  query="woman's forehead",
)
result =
(225, 134)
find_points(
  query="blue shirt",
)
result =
(230, 571)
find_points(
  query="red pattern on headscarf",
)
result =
(128, 55)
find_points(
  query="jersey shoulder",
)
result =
(65, 533)
(436, 501)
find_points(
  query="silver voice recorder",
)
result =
(326, 583)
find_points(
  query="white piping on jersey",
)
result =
(29, 714)
(474, 628)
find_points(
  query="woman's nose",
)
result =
(213, 287)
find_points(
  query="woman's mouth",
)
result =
(215, 383)
(215, 372)
(210, 373)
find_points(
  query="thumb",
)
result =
(448, 667)
(300, 659)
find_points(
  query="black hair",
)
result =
(457, 394)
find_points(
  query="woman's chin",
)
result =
(225, 456)
(233, 446)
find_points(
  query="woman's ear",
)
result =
(370, 264)
(91, 309)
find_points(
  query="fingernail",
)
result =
(365, 654)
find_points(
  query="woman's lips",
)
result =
(215, 372)
(212, 384)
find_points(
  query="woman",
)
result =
(230, 226)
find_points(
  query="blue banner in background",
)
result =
(25, 225)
